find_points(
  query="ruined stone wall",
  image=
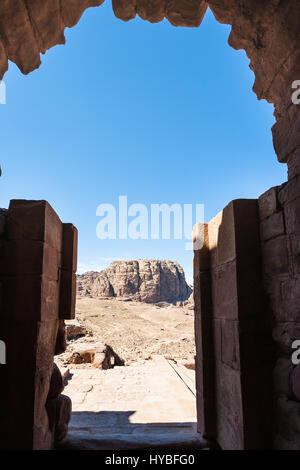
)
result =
(37, 278)
(280, 239)
(247, 316)
(234, 351)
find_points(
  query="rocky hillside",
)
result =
(149, 281)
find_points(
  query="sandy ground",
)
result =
(136, 331)
(151, 403)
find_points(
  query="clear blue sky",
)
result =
(157, 113)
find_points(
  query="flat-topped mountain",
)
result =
(144, 280)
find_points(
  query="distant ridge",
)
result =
(141, 280)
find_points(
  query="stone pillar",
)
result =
(234, 353)
(37, 269)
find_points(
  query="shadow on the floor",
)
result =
(113, 430)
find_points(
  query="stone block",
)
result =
(292, 216)
(288, 308)
(267, 203)
(275, 254)
(29, 257)
(229, 301)
(294, 252)
(205, 342)
(207, 339)
(30, 278)
(56, 383)
(205, 387)
(294, 164)
(217, 339)
(17, 386)
(228, 387)
(228, 438)
(229, 408)
(59, 412)
(230, 343)
(74, 330)
(289, 191)
(224, 291)
(202, 255)
(272, 227)
(34, 220)
(69, 247)
(221, 232)
(61, 338)
(286, 133)
(46, 338)
(202, 293)
(30, 298)
(67, 297)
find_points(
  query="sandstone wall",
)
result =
(237, 352)
(268, 30)
(280, 239)
(234, 351)
(37, 277)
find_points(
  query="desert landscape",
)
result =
(129, 364)
(133, 330)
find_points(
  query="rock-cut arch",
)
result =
(269, 32)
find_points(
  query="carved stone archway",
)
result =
(269, 32)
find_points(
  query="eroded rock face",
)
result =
(147, 281)
(268, 30)
(58, 407)
(100, 355)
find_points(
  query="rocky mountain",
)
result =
(149, 281)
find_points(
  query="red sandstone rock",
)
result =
(148, 281)
(75, 330)
(61, 343)
(100, 355)
(151, 10)
(56, 383)
(124, 9)
(267, 30)
(59, 412)
(267, 203)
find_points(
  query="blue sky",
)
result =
(157, 113)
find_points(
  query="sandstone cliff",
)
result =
(147, 281)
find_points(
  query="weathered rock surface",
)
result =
(268, 30)
(74, 330)
(147, 281)
(58, 406)
(98, 354)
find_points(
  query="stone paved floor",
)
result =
(149, 404)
